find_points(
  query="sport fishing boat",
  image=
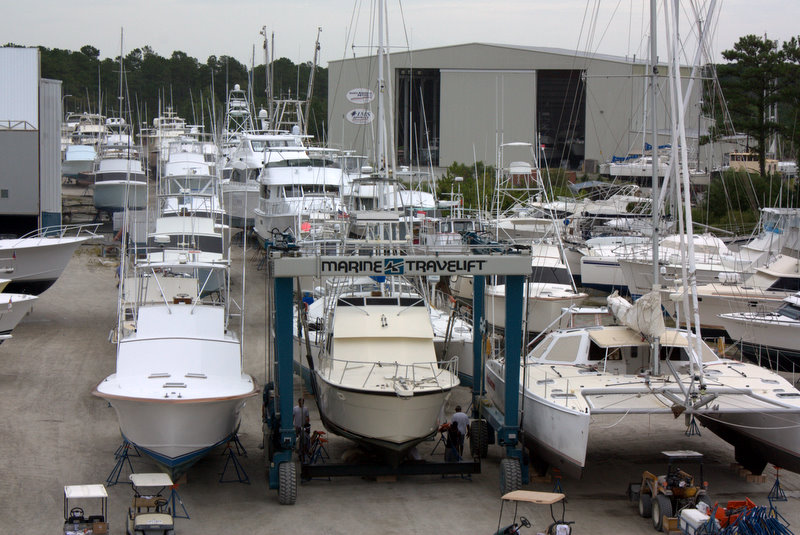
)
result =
(179, 387)
(35, 261)
(373, 365)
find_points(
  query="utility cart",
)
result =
(77, 499)
(149, 514)
(558, 527)
(664, 496)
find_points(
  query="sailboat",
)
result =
(641, 367)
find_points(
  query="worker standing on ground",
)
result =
(301, 421)
(462, 421)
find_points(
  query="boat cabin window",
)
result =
(463, 226)
(294, 162)
(540, 348)
(565, 348)
(258, 145)
(678, 353)
(599, 353)
(790, 311)
(786, 284)
(323, 162)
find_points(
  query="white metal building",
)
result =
(30, 144)
(458, 103)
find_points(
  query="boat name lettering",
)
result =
(352, 266)
(432, 266)
(400, 266)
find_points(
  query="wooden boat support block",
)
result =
(753, 478)
(744, 472)
(541, 479)
(386, 479)
(670, 524)
(736, 467)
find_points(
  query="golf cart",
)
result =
(150, 513)
(558, 527)
(664, 496)
(75, 519)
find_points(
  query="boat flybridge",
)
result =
(572, 375)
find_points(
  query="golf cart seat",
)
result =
(144, 504)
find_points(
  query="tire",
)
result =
(661, 507)
(479, 439)
(287, 483)
(510, 475)
(645, 505)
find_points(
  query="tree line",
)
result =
(760, 84)
(195, 90)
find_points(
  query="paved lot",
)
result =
(55, 433)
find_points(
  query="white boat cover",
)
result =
(643, 316)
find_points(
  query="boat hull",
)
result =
(176, 434)
(13, 307)
(385, 421)
(542, 309)
(759, 438)
(34, 264)
(110, 195)
(240, 203)
(769, 343)
(553, 434)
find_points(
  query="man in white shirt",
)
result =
(462, 421)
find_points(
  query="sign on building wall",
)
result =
(360, 95)
(360, 116)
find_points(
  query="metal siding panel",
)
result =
(613, 96)
(50, 146)
(19, 172)
(19, 85)
(470, 101)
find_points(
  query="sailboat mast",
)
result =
(653, 161)
(381, 160)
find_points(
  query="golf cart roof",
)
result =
(85, 491)
(530, 496)
(683, 455)
(158, 479)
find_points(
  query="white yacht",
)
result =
(769, 338)
(573, 375)
(243, 165)
(179, 387)
(78, 162)
(119, 179)
(13, 308)
(369, 349)
(762, 291)
(543, 301)
(299, 192)
(36, 260)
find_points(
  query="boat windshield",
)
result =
(790, 311)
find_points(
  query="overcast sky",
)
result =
(231, 27)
